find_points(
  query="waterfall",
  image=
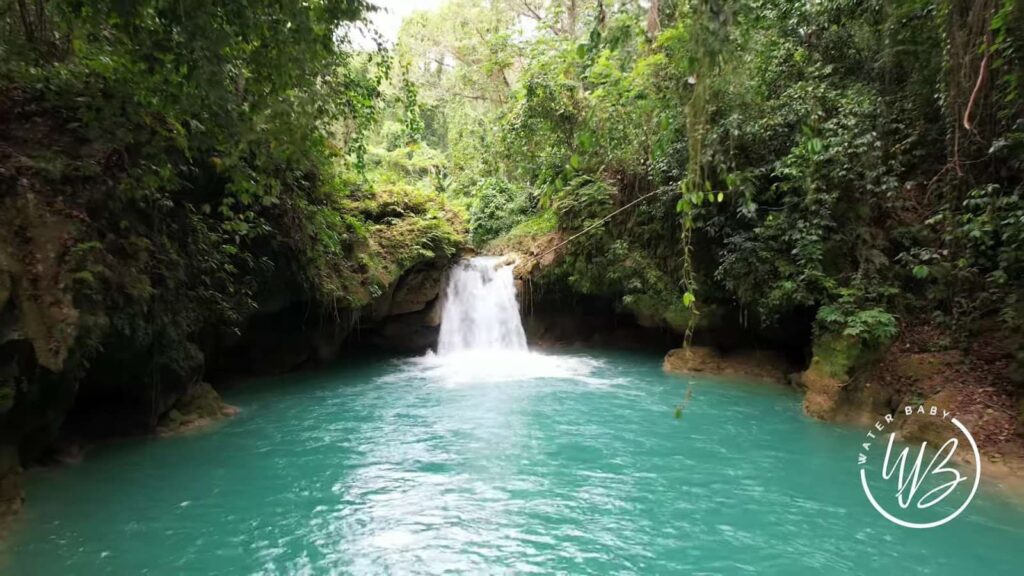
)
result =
(482, 338)
(480, 309)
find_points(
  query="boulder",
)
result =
(415, 290)
(198, 406)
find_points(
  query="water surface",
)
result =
(425, 467)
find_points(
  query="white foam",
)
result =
(477, 366)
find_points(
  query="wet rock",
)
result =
(822, 393)
(199, 406)
(413, 318)
(747, 364)
(413, 332)
(381, 306)
(415, 290)
(507, 260)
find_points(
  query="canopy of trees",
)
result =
(858, 161)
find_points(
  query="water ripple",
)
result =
(423, 467)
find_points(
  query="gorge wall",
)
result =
(57, 394)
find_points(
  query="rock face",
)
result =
(755, 365)
(409, 318)
(414, 332)
(415, 290)
(38, 327)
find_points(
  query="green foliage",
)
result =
(197, 156)
(874, 326)
(802, 146)
(537, 225)
(497, 207)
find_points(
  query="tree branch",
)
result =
(982, 76)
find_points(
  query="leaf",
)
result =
(689, 299)
(586, 140)
(920, 271)
(721, 196)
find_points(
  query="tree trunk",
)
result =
(653, 24)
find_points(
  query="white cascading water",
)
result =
(480, 309)
(482, 337)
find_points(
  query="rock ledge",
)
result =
(757, 365)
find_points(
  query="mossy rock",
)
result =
(677, 316)
(201, 404)
(201, 400)
(837, 360)
(836, 355)
(416, 289)
(32, 266)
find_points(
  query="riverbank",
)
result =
(903, 376)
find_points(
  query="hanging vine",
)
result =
(707, 40)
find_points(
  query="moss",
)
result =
(391, 228)
(668, 311)
(836, 355)
(837, 360)
(926, 365)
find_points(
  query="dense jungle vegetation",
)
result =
(856, 163)
(170, 167)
